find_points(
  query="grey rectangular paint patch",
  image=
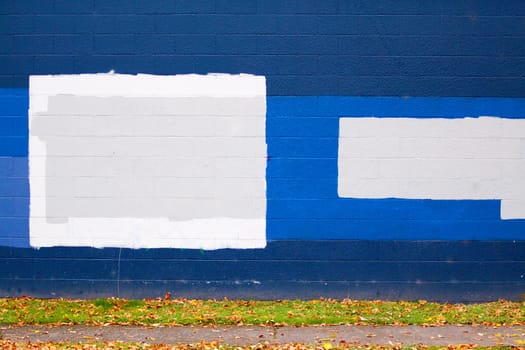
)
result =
(193, 167)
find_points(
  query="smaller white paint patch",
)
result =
(468, 158)
(148, 161)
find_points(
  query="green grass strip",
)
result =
(28, 311)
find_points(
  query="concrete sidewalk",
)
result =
(248, 335)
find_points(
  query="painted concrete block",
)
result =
(467, 158)
(148, 161)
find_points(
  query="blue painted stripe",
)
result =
(13, 167)
(14, 187)
(14, 106)
(383, 210)
(13, 126)
(14, 102)
(14, 207)
(392, 229)
(14, 146)
(14, 201)
(302, 173)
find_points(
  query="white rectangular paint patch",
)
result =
(143, 161)
(433, 158)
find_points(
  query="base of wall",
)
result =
(453, 271)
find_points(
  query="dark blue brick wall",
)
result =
(303, 47)
(444, 271)
(472, 48)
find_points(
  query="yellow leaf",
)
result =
(327, 346)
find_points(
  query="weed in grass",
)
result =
(105, 304)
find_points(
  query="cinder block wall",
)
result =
(324, 62)
(333, 47)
